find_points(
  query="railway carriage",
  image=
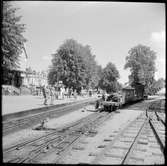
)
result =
(139, 90)
(128, 95)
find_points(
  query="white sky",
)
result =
(110, 28)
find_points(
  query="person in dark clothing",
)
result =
(44, 95)
(103, 97)
(90, 93)
(70, 91)
(51, 94)
(75, 94)
(97, 104)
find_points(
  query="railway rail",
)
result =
(160, 117)
(57, 140)
(31, 120)
(157, 122)
(158, 128)
(141, 142)
(130, 145)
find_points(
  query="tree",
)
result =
(119, 86)
(109, 78)
(141, 61)
(161, 83)
(68, 65)
(56, 69)
(75, 65)
(156, 86)
(12, 38)
(92, 69)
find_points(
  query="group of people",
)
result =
(56, 93)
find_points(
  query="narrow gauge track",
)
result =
(130, 145)
(161, 117)
(57, 141)
(158, 128)
(31, 120)
(157, 122)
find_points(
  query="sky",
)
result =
(110, 28)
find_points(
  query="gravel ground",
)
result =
(68, 118)
(92, 145)
(53, 123)
(110, 127)
(20, 136)
(88, 144)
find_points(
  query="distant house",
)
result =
(35, 79)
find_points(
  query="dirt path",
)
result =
(112, 126)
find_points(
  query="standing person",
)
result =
(63, 91)
(75, 94)
(56, 92)
(82, 91)
(69, 91)
(44, 95)
(90, 93)
(60, 93)
(51, 95)
(103, 97)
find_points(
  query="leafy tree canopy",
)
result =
(156, 86)
(12, 38)
(75, 65)
(141, 61)
(109, 78)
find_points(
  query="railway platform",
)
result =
(14, 104)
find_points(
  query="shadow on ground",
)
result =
(139, 106)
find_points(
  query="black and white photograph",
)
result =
(83, 82)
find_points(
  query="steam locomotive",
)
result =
(117, 100)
